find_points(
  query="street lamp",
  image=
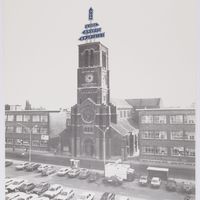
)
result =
(30, 134)
(104, 142)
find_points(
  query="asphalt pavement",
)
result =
(175, 171)
(131, 189)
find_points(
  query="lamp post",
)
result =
(30, 136)
(104, 142)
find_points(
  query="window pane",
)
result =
(148, 150)
(19, 118)
(160, 119)
(26, 142)
(147, 119)
(161, 151)
(18, 129)
(35, 130)
(176, 119)
(189, 135)
(44, 118)
(10, 118)
(177, 135)
(43, 143)
(36, 143)
(36, 118)
(9, 141)
(189, 152)
(9, 129)
(189, 119)
(43, 130)
(177, 151)
(27, 118)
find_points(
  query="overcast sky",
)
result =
(152, 49)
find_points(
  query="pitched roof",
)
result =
(144, 103)
(123, 127)
(120, 103)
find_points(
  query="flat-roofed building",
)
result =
(19, 124)
(167, 134)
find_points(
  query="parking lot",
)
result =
(131, 189)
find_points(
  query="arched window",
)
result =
(86, 58)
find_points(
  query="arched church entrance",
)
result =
(88, 148)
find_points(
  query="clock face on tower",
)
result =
(89, 78)
(88, 115)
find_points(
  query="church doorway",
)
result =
(88, 147)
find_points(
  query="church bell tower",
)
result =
(91, 116)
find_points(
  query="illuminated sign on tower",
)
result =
(91, 30)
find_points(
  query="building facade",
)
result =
(23, 126)
(167, 134)
(95, 127)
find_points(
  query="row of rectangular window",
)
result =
(173, 119)
(174, 135)
(26, 142)
(20, 129)
(163, 151)
(125, 113)
(26, 118)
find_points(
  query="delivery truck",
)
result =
(123, 171)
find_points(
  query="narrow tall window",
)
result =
(103, 59)
(92, 58)
(86, 59)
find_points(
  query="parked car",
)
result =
(86, 196)
(66, 194)
(24, 196)
(93, 177)
(48, 171)
(40, 198)
(40, 188)
(73, 173)
(113, 180)
(187, 187)
(108, 196)
(22, 166)
(120, 197)
(189, 197)
(42, 167)
(171, 185)
(26, 187)
(11, 196)
(143, 180)
(8, 163)
(53, 191)
(63, 171)
(6, 191)
(84, 173)
(15, 185)
(155, 182)
(9, 181)
(31, 167)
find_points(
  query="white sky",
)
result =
(152, 49)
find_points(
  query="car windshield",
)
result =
(52, 189)
(15, 182)
(23, 185)
(64, 193)
(154, 180)
(82, 196)
(143, 178)
(39, 186)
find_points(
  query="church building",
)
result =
(97, 131)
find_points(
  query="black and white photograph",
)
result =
(100, 100)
